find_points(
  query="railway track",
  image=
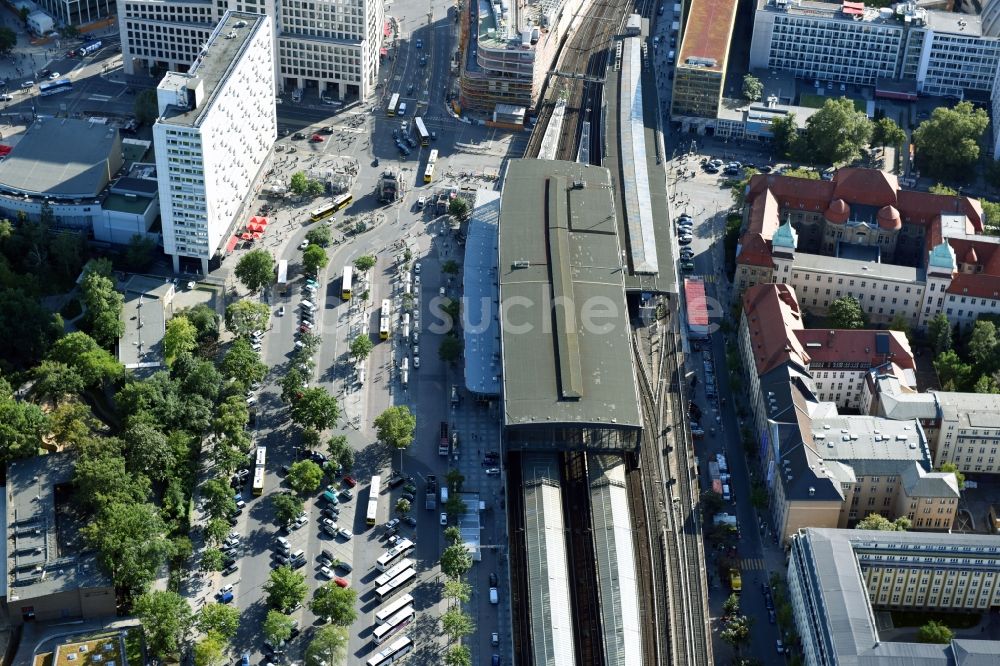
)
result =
(583, 560)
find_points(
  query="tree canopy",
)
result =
(304, 477)
(285, 588)
(361, 346)
(838, 131)
(314, 258)
(336, 603)
(887, 133)
(939, 333)
(935, 632)
(396, 426)
(222, 619)
(104, 308)
(875, 521)
(328, 646)
(255, 270)
(246, 316)
(948, 142)
(277, 627)
(316, 409)
(455, 561)
(753, 89)
(242, 364)
(181, 337)
(166, 619)
(365, 263)
(130, 544)
(846, 312)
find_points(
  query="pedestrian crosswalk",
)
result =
(752, 564)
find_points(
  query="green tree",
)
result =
(66, 252)
(8, 40)
(298, 183)
(54, 381)
(328, 647)
(320, 235)
(953, 373)
(205, 321)
(287, 507)
(361, 346)
(221, 619)
(147, 452)
(82, 353)
(212, 559)
(458, 655)
(846, 312)
(887, 133)
(982, 346)
(341, 452)
(139, 252)
(242, 364)
(454, 507)
(450, 349)
(292, 385)
(255, 270)
(101, 480)
(245, 316)
(459, 209)
(71, 424)
(145, 108)
(315, 188)
(277, 627)
(948, 142)
(991, 217)
(457, 590)
(216, 531)
(457, 624)
(450, 267)
(335, 603)
(753, 89)
(452, 535)
(941, 188)
(218, 496)
(316, 409)
(939, 333)
(875, 521)
(23, 318)
(736, 632)
(455, 561)
(986, 384)
(210, 650)
(403, 506)
(731, 606)
(365, 263)
(180, 338)
(314, 258)
(166, 619)
(454, 479)
(304, 477)
(396, 426)
(838, 132)
(935, 632)
(953, 468)
(104, 309)
(285, 588)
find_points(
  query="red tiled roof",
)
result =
(866, 186)
(755, 251)
(708, 31)
(772, 311)
(922, 207)
(764, 215)
(977, 286)
(854, 346)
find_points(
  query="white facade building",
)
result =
(329, 48)
(214, 136)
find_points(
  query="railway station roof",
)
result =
(482, 335)
(565, 336)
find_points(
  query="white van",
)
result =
(726, 495)
(444, 495)
(307, 304)
(299, 555)
(361, 376)
(283, 545)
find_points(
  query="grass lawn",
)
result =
(950, 620)
(814, 101)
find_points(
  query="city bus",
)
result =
(347, 283)
(260, 460)
(429, 170)
(89, 48)
(383, 615)
(425, 136)
(54, 87)
(385, 323)
(394, 571)
(342, 201)
(393, 625)
(395, 585)
(373, 492)
(393, 105)
(393, 654)
(283, 277)
(339, 202)
(399, 550)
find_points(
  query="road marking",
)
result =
(99, 98)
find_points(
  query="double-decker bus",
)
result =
(399, 550)
(258, 471)
(283, 277)
(393, 625)
(54, 87)
(429, 170)
(393, 654)
(422, 133)
(373, 491)
(393, 105)
(394, 570)
(347, 283)
(385, 319)
(383, 615)
(395, 585)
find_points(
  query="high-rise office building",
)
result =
(213, 138)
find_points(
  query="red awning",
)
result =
(257, 235)
(231, 245)
(387, 30)
(247, 236)
(854, 8)
(262, 221)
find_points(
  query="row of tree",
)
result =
(966, 359)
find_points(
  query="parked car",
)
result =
(326, 572)
(345, 533)
(342, 582)
(444, 518)
(350, 481)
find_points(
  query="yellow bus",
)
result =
(339, 202)
(429, 170)
(258, 471)
(385, 322)
(347, 283)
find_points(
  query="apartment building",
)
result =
(838, 578)
(508, 48)
(899, 252)
(213, 138)
(824, 468)
(700, 72)
(327, 48)
(943, 53)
